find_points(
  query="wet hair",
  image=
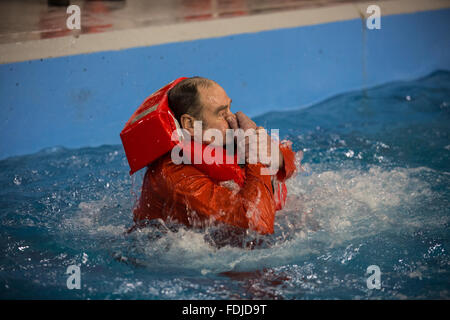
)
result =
(184, 98)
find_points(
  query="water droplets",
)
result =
(349, 253)
(17, 180)
(350, 154)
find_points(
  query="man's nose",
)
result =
(229, 113)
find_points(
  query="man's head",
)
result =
(200, 99)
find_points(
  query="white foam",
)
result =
(347, 198)
(346, 204)
(89, 219)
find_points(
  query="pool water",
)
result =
(374, 190)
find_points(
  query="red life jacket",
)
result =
(147, 134)
(226, 169)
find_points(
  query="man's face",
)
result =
(216, 108)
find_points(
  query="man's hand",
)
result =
(245, 122)
(232, 121)
(270, 143)
(242, 121)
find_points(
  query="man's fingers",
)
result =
(244, 121)
(232, 121)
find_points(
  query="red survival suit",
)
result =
(196, 195)
(185, 194)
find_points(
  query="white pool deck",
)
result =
(19, 46)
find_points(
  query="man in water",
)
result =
(184, 194)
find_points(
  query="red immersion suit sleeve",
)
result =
(289, 167)
(284, 173)
(252, 206)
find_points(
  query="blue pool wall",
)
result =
(85, 100)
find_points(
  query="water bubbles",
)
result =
(434, 250)
(17, 180)
(298, 160)
(305, 170)
(325, 257)
(112, 155)
(350, 253)
(62, 256)
(127, 287)
(382, 145)
(349, 153)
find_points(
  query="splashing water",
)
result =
(373, 189)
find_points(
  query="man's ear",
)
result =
(187, 122)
